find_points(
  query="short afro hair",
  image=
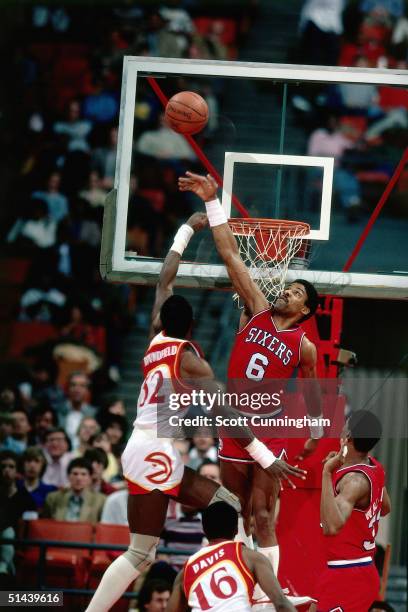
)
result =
(364, 429)
(312, 301)
(176, 315)
(220, 520)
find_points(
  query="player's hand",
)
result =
(308, 449)
(281, 469)
(197, 221)
(204, 187)
(334, 460)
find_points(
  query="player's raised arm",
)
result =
(199, 374)
(164, 287)
(205, 188)
(177, 601)
(336, 509)
(263, 573)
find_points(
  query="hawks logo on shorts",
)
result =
(162, 464)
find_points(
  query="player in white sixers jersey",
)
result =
(353, 499)
(269, 344)
(152, 466)
(221, 576)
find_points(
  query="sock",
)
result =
(242, 536)
(114, 583)
(271, 553)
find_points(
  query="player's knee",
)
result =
(142, 551)
(222, 494)
(264, 520)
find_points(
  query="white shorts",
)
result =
(150, 463)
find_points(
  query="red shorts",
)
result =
(347, 589)
(230, 450)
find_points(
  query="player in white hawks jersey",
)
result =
(152, 466)
(221, 576)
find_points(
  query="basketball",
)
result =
(186, 113)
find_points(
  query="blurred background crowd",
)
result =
(63, 423)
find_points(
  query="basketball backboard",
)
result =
(259, 145)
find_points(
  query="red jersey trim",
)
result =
(245, 568)
(136, 489)
(281, 331)
(177, 375)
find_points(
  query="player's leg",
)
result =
(265, 492)
(237, 477)
(198, 491)
(146, 517)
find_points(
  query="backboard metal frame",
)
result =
(116, 265)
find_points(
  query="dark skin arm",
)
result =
(311, 390)
(199, 374)
(205, 188)
(177, 601)
(168, 273)
(261, 569)
(353, 491)
(386, 503)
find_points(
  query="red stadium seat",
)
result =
(29, 333)
(64, 567)
(156, 197)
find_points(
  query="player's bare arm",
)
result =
(199, 374)
(311, 390)
(261, 568)
(205, 188)
(177, 601)
(168, 273)
(353, 491)
(386, 503)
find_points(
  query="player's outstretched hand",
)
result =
(308, 449)
(281, 469)
(197, 221)
(204, 187)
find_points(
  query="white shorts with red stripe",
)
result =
(150, 463)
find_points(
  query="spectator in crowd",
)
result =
(210, 469)
(42, 301)
(14, 503)
(38, 229)
(112, 404)
(98, 460)
(153, 596)
(115, 427)
(21, 429)
(94, 194)
(42, 418)
(203, 448)
(74, 130)
(115, 508)
(321, 27)
(112, 472)
(7, 442)
(183, 534)
(183, 447)
(57, 450)
(103, 159)
(381, 606)
(165, 144)
(76, 327)
(76, 406)
(332, 142)
(33, 465)
(46, 391)
(78, 502)
(57, 202)
(157, 39)
(102, 105)
(87, 430)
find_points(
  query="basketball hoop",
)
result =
(268, 247)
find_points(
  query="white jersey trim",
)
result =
(350, 562)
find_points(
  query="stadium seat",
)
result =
(29, 333)
(64, 567)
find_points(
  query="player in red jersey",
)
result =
(269, 344)
(221, 576)
(152, 466)
(353, 500)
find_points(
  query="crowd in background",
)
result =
(62, 431)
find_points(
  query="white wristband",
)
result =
(316, 431)
(215, 213)
(261, 453)
(182, 238)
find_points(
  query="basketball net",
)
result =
(268, 247)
